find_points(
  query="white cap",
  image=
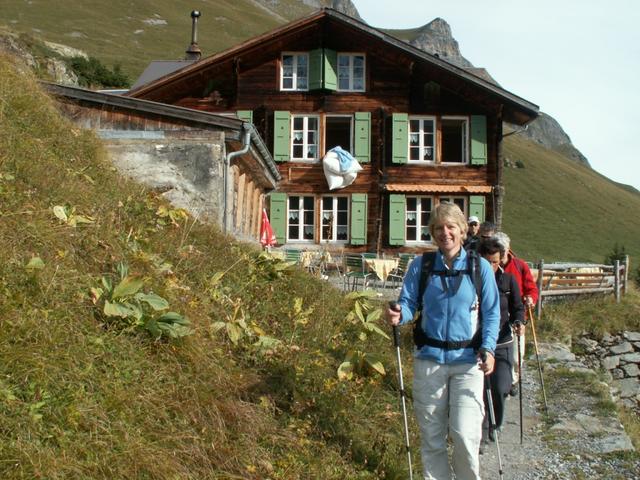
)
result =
(473, 219)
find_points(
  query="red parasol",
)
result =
(267, 237)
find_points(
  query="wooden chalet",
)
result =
(424, 130)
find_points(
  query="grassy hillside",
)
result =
(134, 33)
(88, 388)
(560, 210)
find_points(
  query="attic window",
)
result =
(351, 68)
(294, 72)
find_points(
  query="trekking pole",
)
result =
(520, 389)
(492, 415)
(396, 342)
(535, 344)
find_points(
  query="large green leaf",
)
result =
(117, 309)
(173, 317)
(127, 287)
(35, 263)
(154, 301)
(345, 371)
(374, 362)
(234, 332)
(372, 327)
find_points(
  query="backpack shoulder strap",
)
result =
(428, 259)
(473, 265)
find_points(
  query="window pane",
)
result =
(287, 83)
(294, 232)
(341, 233)
(297, 151)
(302, 61)
(326, 232)
(298, 123)
(308, 217)
(312, 123)
(302, 82)
(358, 61)
(414, 153)
(308, 233)
(327, 203)
(294, 203)
(343, 203)
(358, 84)
(308, 203)
(424, 234)
(311, 152)
(411, 233)
(412, 203)
(287, 60)
(425, 204)
(343, 60)
(343, 218)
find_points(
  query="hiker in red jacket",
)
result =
(528, 288)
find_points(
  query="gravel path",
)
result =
(570, 453)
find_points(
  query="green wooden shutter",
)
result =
(397, 213)
(245, 115)
(330, 69)
(478, 140)
(362, 142)
(359, 219)
(281, 136)
(400, 144)
(476, 206)
(316, 59)
(278, 216)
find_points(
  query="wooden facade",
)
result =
(404, 94)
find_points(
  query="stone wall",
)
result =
(619, 356)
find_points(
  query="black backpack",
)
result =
(473, 269)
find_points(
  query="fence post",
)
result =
(539, 305)
(616, 284)
(626, 274)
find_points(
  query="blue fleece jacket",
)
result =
(450, 311)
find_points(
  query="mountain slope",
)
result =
(561, 210)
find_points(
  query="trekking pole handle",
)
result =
(396, 330)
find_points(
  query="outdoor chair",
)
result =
(354, 270)
(292, 255)
(397, 274)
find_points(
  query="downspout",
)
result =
(246, 127)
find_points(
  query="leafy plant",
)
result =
(135, 309)
(365, 315)
(617, 253)
(92, 72)
(67, 215)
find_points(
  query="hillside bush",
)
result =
(93, 73)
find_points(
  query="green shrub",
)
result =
(92, 72)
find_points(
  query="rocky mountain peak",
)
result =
(436, 38)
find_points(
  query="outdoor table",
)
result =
(381, 266)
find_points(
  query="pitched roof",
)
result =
(158, 69)
(516, 109)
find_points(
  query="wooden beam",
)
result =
(242, 178)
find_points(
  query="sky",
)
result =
(578, 60)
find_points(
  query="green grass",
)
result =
(560, 210)
(81, 396)
(116, 33)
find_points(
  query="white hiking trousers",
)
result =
(448, 403)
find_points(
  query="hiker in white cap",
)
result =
(472, 234)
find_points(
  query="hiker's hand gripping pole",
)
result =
(396, 341)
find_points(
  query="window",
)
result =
(417, 213)
(295, 71)
(337, 132)
(335, 219)
(351, 72)
(300, 218)
(304, 137)
(455, 132)
(422, 139)
(459, 201)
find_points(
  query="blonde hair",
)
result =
(447, 211)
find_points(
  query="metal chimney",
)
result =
(194, 52)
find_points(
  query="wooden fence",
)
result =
(565, 279)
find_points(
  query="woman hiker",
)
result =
(456, 349)
(511, 316)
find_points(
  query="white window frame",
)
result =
(334, 219)
(305, 137)
(352, 122)
(295, 56)
(465, 139)
(421, 144)
(351, 56)
(453, 198)
(301, 223)
(418, 212)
